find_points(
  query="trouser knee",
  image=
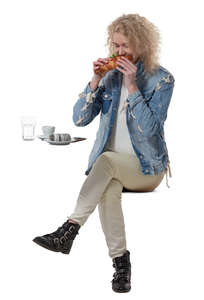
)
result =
(104, 161)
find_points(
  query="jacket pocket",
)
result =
(106, 102)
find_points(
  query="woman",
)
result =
(130, 152)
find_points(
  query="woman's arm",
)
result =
(149, 115)
(88, 105)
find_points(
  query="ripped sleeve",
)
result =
(88, 105)
(149, 115)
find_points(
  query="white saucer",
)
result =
(58, 143)
(42, 137)
(73, 140)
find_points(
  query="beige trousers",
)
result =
(103, 187)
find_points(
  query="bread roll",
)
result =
(111, 64)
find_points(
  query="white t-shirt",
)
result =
(119, 140)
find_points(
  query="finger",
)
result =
(127, 67)
(121, 70)
(124, 65)
(104, 60)
(128, 63)
(98, 63)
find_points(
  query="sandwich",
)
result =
(111, 64)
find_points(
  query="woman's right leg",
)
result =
(112, 219)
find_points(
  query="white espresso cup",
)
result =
(48, 130)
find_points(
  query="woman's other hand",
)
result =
(129, 71)
(96, 64)
(97, 77)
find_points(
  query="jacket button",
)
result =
(147, 171)
(105, 95)
(141, 156)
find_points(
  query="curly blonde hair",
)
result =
(143, 37)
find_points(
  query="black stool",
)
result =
(129, 191)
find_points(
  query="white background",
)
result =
(46, 55)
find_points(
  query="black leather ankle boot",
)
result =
(60, 240)
(121, 282)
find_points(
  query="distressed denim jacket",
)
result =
(146, 112)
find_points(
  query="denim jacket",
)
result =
(146, 112)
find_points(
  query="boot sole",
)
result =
(35, 240)
(121, 291)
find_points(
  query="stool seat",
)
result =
(130, 191)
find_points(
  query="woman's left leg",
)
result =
(92, 189)
(110, 206)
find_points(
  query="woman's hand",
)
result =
(97, 64)
(129, 70)
(97, 77)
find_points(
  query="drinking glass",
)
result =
(28, 124)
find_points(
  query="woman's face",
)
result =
(121, 45)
